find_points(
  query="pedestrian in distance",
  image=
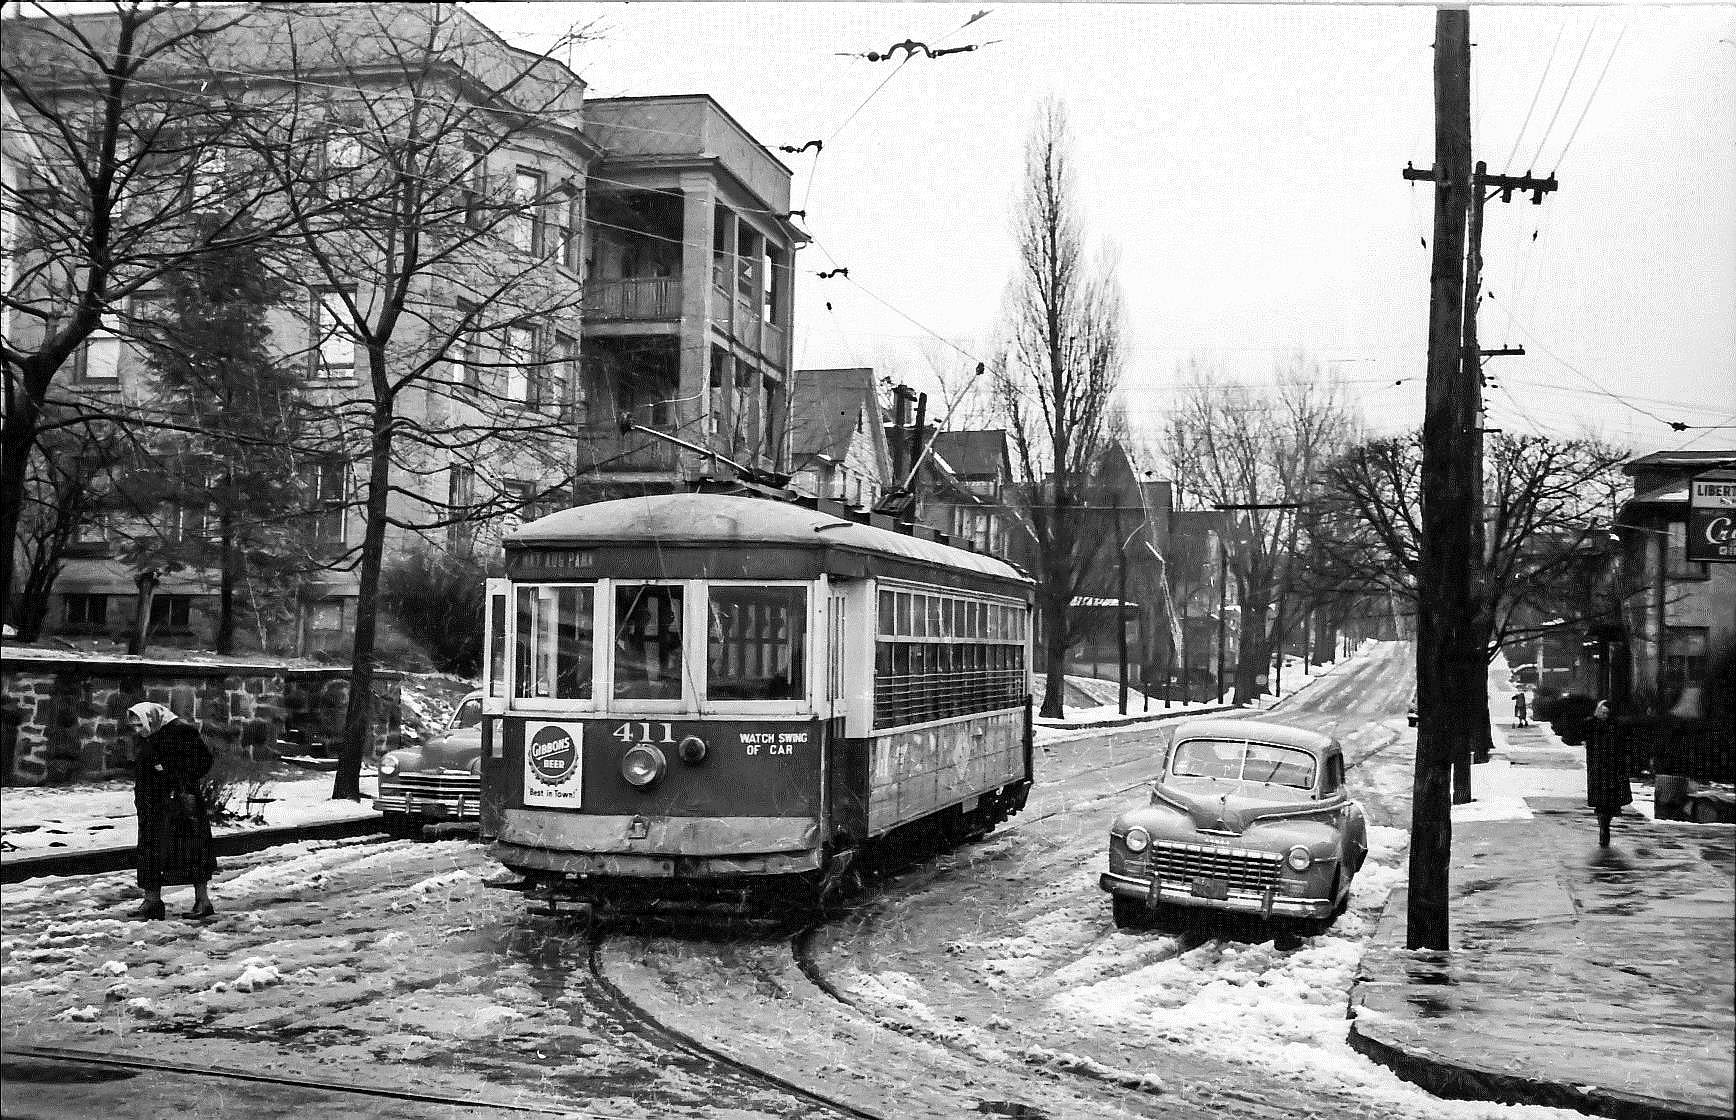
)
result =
(1521, 716)
(174, 825)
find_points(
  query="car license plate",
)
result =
(1218, 889)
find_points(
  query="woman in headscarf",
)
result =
(174, 826)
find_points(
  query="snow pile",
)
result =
(256, 973)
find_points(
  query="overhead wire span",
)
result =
(1538, 92)
(1577, 372)
(1587, 107)
(1550, 127)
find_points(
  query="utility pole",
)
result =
(1223, 579)
(1443, 577)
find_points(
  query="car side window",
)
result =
(469, 714)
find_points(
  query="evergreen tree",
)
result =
(224, 492)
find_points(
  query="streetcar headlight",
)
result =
(388, 766)
(643, 765)
(1299, 858)
(692, 750)
(1137, 839)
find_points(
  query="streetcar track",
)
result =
(647, 1025)
(801, 951)
(109, 1059)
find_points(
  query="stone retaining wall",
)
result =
(63, 720)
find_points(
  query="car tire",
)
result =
(1129, 913)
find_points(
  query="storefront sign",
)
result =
(1712, 517)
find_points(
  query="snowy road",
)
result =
(382, 979)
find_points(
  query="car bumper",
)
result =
(1179, 892)
(438, 805)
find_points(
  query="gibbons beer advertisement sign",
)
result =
(1712, 517)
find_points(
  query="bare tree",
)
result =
(1255, 454)
(1055, 383)
(430, 179)
(1547, 505)
(112, 149)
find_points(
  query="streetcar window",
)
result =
(756, 646)
(497, 646)
(555, 642)
(647, 642)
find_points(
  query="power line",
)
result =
(1587, 108)
(1508, 162)
(1564, 91)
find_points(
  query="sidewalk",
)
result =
(1580, 977)
(85, 830)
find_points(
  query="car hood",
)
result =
(1233, 806)
(454, 750)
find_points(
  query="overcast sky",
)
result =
(1244, 163)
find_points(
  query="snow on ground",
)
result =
(39, 820)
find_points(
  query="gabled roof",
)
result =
(973, 454)
(826, 405)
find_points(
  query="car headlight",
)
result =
(476, 766)
(643, 765)
(1136, 839)
(388, 766)
(1299, 858)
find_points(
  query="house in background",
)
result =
(1675, 652)
(837, 445)
(689, 297)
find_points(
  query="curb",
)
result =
(96, 861)
(1143, 717)
(1466, 1081)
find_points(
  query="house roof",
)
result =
(972, 454)
(826, 406)
(1680, 460)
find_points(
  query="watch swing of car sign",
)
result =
(551, 764)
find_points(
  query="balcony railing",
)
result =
(608, 451)
(644, 297)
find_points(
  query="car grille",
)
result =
(448, 782)
(1243, 868)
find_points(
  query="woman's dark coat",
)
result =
(174, 830)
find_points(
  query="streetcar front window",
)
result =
(756, 648)
(647, 642)
(555, 641)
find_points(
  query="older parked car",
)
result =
(1245, 816)
(439, 781)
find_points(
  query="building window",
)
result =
(555, 379)
(467, 367)
(518, 353)
(86, 612)
(327, 625)
(526, 230)
(1676, 562)
(171, 613)
(460, 501)
(324, 486)
(92, 530)
(1684, 660)
(99, 359)
(334, 343)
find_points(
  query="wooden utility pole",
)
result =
(1444, 571)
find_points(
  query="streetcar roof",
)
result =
(712, 521)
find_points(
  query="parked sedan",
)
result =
(440, 780)
(1245, 816)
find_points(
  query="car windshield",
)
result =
(1242, 761)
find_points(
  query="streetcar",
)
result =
(725, 702)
